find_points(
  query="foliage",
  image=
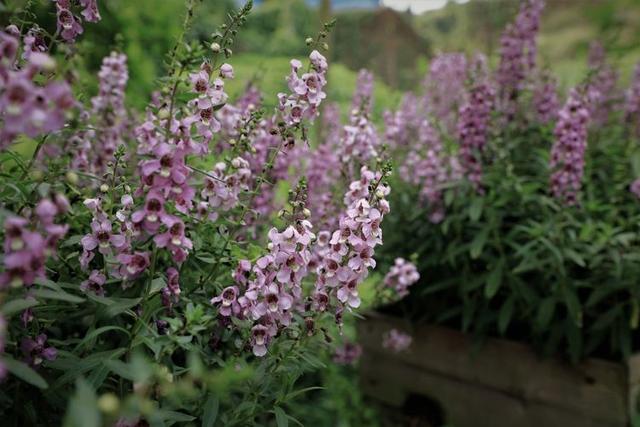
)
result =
(159, 267)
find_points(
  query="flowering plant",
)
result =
(528, 226)
(149, 275)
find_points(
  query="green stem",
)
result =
(34, 156)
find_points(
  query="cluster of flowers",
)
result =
(545, 99)
(347, 253)
(518, 54)
(427, 166)
(93, 147)
(567, 153)
(70, 24)
(359, 140)
(29, 242)
(632, 102)
(396, 341)
(401, 276)
(27, 107)
(445, 87)
(272, 287)
(347, 354)
(306, 91)
(268, 292)
(601, 89)
(473, 128)
(399, 125)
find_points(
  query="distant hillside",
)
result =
(567, 28)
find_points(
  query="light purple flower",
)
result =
(396, 341)
(401, 276)
(35, 351)
(94, 284)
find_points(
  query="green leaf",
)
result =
(281, 418)
(172, 416)
(478, 243)
(494, 280)
(121, 369)
(575, 257)
(17, 305)
(157, 285)
(97, 332)
(545, 312)
(24, 372)
(475, 209)
(211, 408)
(116, 306)
(506, 312)
(573, 305)
(56, 295)
(296, 393)
(83, 407)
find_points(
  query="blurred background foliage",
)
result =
(395, 45)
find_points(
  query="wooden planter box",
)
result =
(499, 384)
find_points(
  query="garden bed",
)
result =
(498, 383)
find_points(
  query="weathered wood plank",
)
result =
(596, 388)
(469, 405)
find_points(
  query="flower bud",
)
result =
(163, 114)
(108, 403)
(306, 212)
(215, 47)
(104, 188)
(308, 41)
(72, 177)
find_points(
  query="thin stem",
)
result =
(35, 155)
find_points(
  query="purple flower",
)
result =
(632, 102)
(545, 99)
(103, 238)
(401, 276)
(601, 88)
(567, 153)
(347, 354)
(517, 54)
(133, 264)
(171, 292)
(473, 127)
(3, 337)
(35, 351)
(396, 341)
(259, 340)
(174, 237)
(94, 283)
(444, 87)
(90, 12)
(68, 24)
(226, 71)
(24, 266)
(635, 187)
(227, 301)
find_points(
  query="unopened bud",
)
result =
(72, 177)
(163, 114)
(306, 212)
(325, 46)
(308, 41)
(108, 403)
(104, 188)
